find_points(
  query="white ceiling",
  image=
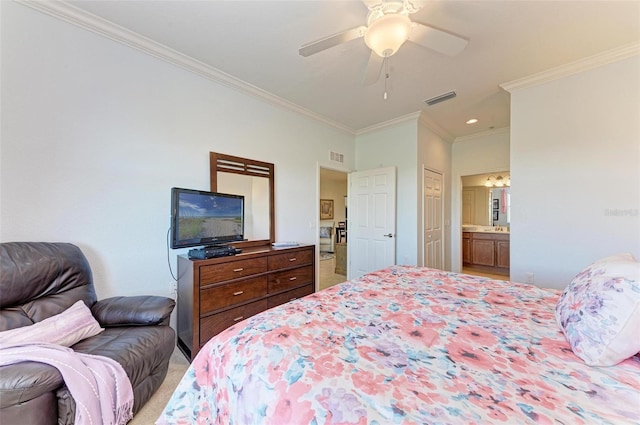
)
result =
(257, 42)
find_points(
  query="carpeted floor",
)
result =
(328, 276)
(178, 365)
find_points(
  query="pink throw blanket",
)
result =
(99, 385)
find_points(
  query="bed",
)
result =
(405, 345)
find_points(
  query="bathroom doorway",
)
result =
(486, 207)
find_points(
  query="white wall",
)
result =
(478, 154)
(94, 134)
(396, 146)
(410, 146)
(581, 136)
(434, 153)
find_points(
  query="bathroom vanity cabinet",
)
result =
(486, 250)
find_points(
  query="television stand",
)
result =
(213, 251)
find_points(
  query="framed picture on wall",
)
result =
(495, 215)
(496, 204)
(326, 209)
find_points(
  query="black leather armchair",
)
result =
(39, 280)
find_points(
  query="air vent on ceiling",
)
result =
(440, 98)
(336, 157)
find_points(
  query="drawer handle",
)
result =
(237, 319)
(293, 278)
(238, 270)
(293, 259)
(238, 293)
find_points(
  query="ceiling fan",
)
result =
(388, 27)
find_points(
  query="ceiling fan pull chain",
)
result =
(386, 75)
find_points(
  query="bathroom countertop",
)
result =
(499, 232)
(480, 229)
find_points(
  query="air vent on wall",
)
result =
(336, 157)
(440, 98)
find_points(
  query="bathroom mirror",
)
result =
(255, 181)
(483, 205)
(500, 206)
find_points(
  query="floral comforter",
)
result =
(404, 345)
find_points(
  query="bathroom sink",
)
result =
(496, 230)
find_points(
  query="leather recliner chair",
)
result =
(39, 280)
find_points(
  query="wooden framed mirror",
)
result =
(255, 180)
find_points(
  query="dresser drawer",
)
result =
(290, 259)
(285, 297)
(222, 296)
(289, 279)
(234, 269)
(213, 325)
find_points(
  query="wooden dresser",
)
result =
(216, 293)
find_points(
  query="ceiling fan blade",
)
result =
(331, 41)
(374, 68)
(438, 40)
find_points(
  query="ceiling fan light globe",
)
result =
(386, 34)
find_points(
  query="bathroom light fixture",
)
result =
(498, 181)
(472, 121)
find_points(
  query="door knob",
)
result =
(389, 235)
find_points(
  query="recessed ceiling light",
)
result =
(472, 121)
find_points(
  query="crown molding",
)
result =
(433, 126)
(88, 21)
(419, 117)
(390, 123)
(482, 134)
(581, 65)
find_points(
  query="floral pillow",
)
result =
(599, 312)
(72, 325)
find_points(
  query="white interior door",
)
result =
(432, 208)
(372, 220)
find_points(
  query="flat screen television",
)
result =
(205, 218)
